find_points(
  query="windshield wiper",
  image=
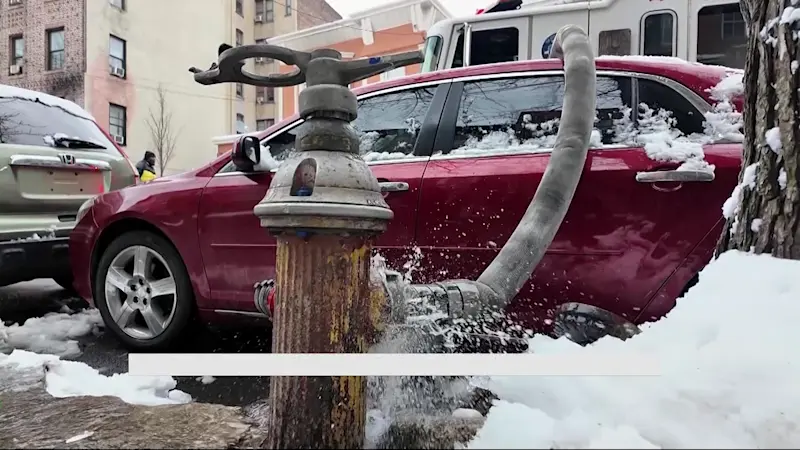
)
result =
(68, 142)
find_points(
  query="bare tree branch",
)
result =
(162, 134)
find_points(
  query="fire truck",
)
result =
(705, 31)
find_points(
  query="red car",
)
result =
(462, 151)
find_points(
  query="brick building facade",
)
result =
(37, 23)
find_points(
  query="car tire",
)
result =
(160, 253)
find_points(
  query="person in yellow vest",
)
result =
(147, 176)
(146, 167)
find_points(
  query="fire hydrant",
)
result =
(325, 207)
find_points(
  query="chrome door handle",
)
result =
(393, 186)
(679, 176)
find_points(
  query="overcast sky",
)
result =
(456, 7)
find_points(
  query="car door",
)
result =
(620, 239)
(397, 129)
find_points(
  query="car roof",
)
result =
(697, 77)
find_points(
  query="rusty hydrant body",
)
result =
(325, 208)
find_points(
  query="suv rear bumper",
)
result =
(30, 259)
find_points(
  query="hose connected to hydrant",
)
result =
(325, 207)
(502, 280)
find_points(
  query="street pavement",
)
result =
(36, 298)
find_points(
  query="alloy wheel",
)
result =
(140, 292)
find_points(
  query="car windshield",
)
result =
(24, 121)
(433, 47)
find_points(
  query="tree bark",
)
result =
(769, 212)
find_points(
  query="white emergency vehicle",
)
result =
(705, 31)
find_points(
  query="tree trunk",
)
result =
(768, 215)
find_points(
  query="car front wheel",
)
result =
(144, 292)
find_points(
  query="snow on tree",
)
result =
(763, 214)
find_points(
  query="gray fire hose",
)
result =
(523, 251)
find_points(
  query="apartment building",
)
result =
(389, 28)
(394, 27)
(127, 63)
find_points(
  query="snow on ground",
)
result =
(41, 341)
(52, 333)
(730, 374)
(73, 379)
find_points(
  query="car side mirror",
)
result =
(246, 153)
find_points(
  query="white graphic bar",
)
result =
(391, 364)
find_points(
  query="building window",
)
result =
(266, 94)
(117, 123)
(288, 6)
(263, 124)
(17, 50)
(240, 126)
(260, 8)
(55, 49)
(119, 4)
(116, 56)
(239, 38)
(269, 11)
(239, 90)
(239, 8)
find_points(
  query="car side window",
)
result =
(277, 148)
(659, 101)
(389, 124)
(523, 113)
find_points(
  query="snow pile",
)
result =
(730, 209)
(723, 122)
(74, 379)
(773, 138)
(730, 374)
(52, 333)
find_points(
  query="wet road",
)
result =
(39, 297)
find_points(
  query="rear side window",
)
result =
(523, 113)
(29, 122)
(657, 99)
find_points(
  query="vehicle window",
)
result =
(658, 31)
(277, 148)
(721, 36)
(489, 47)
(27, 122)
(523, 113)
(658, 100)
(615, 42)
(388, 125)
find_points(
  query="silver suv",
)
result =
(53, 158)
